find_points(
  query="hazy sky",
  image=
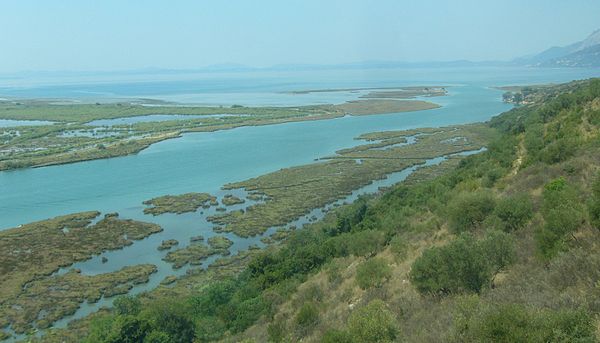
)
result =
(119, 34)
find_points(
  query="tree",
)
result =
(172, 319)
(563, 215)
(463, 265)
(469, 210)
(157, 337)
(127, 305)
(514, 211)
(373, 323)
(129, 329)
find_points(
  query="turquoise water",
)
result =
(14, 123)
(204, 162)
(270, 87)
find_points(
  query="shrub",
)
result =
(563, 215)
(171, 318)
(158, 337)
(514, 211)
(373, 323)
(365, 243)
(372, 273)
(307, 317)
(127, 305)
(128, 329)
(209, 329)
(516, 323)
(463, 265)
(399, 248)
(469, 210)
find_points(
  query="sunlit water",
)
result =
(204, 162)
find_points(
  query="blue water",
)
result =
(269, 87)
(204, 162)
(14, 123)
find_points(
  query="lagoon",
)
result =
(205, 161)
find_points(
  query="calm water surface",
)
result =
(204, 162)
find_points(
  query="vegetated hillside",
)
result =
(503, 247)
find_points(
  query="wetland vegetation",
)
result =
(188, 202)
(71, 138)
(32, 253)
(410, 264)
(293, 192)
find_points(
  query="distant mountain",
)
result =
(585, 53)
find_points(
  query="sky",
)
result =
(102, 35)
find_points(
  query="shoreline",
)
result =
(134, 146)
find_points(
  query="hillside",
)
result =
(585, 53)
(502, 246)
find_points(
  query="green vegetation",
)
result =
(46, 300)
(373, 323)
(30, 254)
(219, 242)
(515, 273)
(563, 215)
(517, 323)
(514, 211)
(178, 204)
(372, 273)
(69, 139)
(468, 210)
(464, 265)
(293, 192)
(193, 254)
(230, 200)
(168, 244)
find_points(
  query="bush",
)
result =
(307, 317)
(499, 249)
(399, 248)
(514, 211)
(372, 273)
(563, 215)
(171, 318)
(209, 329)
(365, 243)
(516, 323)
(128, 329)
(469, 210)
(127, 305)
(157, 337)
(463, 265)
(373, 323)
